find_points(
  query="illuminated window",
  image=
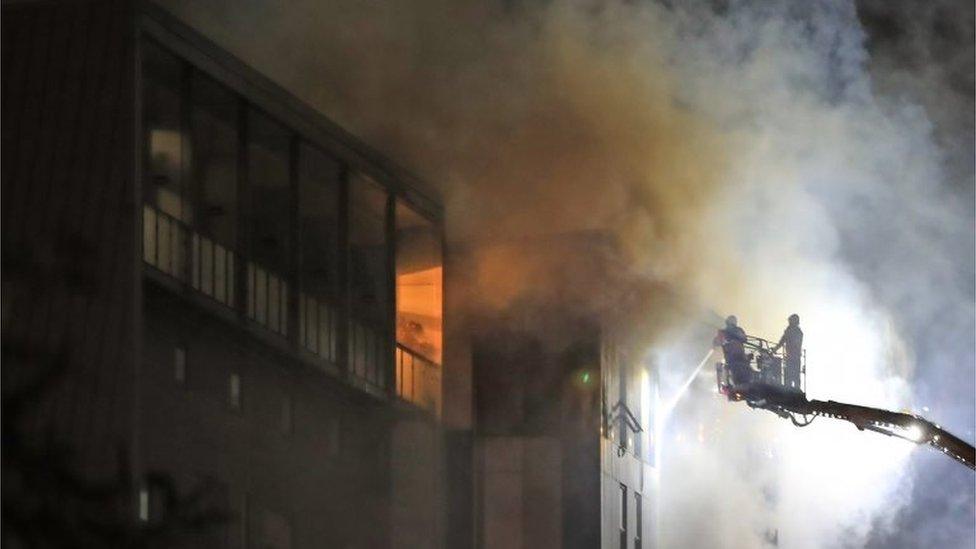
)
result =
(144, 504)
(419, 308)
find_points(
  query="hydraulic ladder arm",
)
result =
(902, 425)
(769, 392)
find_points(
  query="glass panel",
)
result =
(179, 365)
(234, 390)
(367, 251)
(368, 278)
(162, 80)
(623, 517)
(419, 284)
(268, 178)
(270, 218)
(213, 206)
(318, 182)
(638, 521)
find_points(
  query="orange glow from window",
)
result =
(420, 304)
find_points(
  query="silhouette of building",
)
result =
(244, 293)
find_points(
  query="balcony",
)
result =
(207, 268)
(418, 380)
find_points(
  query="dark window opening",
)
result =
(212, 209)
(318, 188)
(369, 276)
(638, 521)
(179, 365)
(623, 517)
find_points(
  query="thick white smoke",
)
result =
(740, 152)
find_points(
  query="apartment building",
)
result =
(241, 295)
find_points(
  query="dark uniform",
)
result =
(792, 344)
(732, 340)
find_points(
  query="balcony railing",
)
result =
(164, 246)
(267, 299)
(317, 327)
(418, 380)
(210, 270)
(172, 247)
(164, 242)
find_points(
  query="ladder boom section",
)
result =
(765, 380)
(907, 426)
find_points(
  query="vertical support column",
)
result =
(295, 235)
(622, 371)
(342, 323)
(389, 364)
(189, 191)
(241, 281)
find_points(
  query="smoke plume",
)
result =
(757, 158)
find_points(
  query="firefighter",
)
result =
(792, 344)
(732, 339)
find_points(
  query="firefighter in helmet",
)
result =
(732, 339)
(792, 345)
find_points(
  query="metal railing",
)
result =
(267, 298)
(212, 269)
(172, 247)
(418, 380)
(775, 367)
(168, 241)
(164, 242)
(366, 352)
(318, 327)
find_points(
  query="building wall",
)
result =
(317, 472)
(417, 492)
(375, 478)
(69, 246)
(537, 454)
(520, 498)
(628, 472)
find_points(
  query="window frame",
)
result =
(309, 128)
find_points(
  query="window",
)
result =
(369, 276)
(623, 516)
(163, 116)
(213, 200)
(419, 308)
(318, 188)
(179, 365)
(269, 221)
(638, 521)
(164, 235)
(234, 391)
(287, 410)
(144, 504)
